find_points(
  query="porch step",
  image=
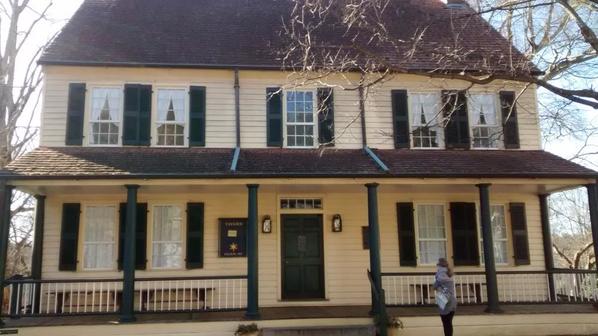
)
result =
(354, 330)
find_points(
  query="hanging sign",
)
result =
(233, 237)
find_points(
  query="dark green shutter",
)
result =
(509, 119)
(197, 116)
(195, 224)
(75, 114)
(137, 115)
(406, 226)
(465, 234)
(326, 116)
(365, 237)
(274, 117)
(69, 236)
(519, 230)
(456, 131)
(400, 118)
(140, 235)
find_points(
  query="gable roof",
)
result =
(134, 162)
(249, 34)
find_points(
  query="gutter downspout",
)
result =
(237, 151)
(238, 108)
(364, 141)
(376, 159)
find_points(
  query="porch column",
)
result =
(38, 245)
(547, 242)
(593, 204)
(5, 202)
(127, 304)
(491, 283)
(374, 241)
(252, 254)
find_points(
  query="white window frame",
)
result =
(88, 116)
(417, 237)
(412, 114)
(505, 240)
(314, 122)
(156, 123)
(114, 243)
(470, 115)
(181, 241)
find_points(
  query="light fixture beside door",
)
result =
(337, 223)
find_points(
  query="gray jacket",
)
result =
(447, 284)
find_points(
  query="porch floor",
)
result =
(283, 313)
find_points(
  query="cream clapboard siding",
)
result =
(379, 120)
(345, 260)
(220, 128)
(220, 124)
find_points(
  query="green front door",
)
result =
(302, 257)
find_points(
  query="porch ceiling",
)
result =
(301, 186)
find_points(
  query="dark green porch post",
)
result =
(127, 305)
(252, 254)
(374, 242)
(38, 246)
(547, 243)
(5, 202)
(593, 205)
(491, 282)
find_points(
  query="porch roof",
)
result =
(135, 162)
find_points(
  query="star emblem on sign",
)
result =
(233, 247)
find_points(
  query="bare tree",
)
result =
(19, 98)
(571, 231)
(559, 36)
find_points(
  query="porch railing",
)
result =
(570, 286)
(27, 297)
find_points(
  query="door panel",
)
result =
(302, 257)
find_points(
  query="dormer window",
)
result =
(171, 116)
(299, 118)
(105, 116)
(425, 128)
(485, 127)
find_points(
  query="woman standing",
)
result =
(445, 286)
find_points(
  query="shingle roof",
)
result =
(248, 33)
(124, 162)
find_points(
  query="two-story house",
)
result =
(182, 169)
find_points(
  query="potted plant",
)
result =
(247, 330)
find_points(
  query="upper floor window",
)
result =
(425, 127)
(300, 121)
(105, 116)
(99, 238)
(170, 119)
(485, 127)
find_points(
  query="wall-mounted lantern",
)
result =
(267, 225)
(337, 223)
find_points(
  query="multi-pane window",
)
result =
(167, 245)
(99, 240)
(425, 115)
(105, 116)
(301, 203)
(499, 235)
(300, 118)
(485, 126)
(431, 233)
(171, 114)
